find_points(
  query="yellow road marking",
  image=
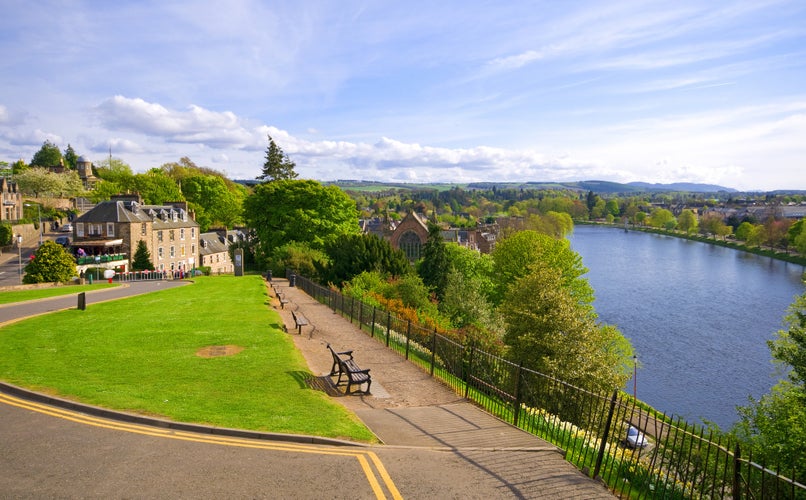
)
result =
(368, 466)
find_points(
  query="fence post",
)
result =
(469, 370)
(737, 472)
(372, 332)
(388, 326)
(408, 337)
(600, 457)
(516, 411)
(433, 349)
(352, 306)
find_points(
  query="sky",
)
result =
(455, 92)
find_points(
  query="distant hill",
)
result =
(683, 186)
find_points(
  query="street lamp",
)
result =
(39, 216)
(19, 253)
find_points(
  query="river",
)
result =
(698, 316)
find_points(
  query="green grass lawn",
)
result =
(140, 355)
(10, 296)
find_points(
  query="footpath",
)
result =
(409, 408)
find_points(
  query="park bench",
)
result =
(281, 297)
(344, 365)
(299, 320)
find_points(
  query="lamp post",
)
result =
(39, 216)
(19, 254)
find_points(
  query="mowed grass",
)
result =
(10, 296)
(140, 355)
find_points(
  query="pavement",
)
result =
(437, 442)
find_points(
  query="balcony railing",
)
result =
(90, 259)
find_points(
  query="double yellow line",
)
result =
(371, 465)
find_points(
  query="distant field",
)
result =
(373, 187)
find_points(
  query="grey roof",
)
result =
(162, 216)
(212, 243)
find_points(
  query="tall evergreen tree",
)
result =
(47, 156)
(142, 258)
(70, 157)
(277, 165)
(435, 267)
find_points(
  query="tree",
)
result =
(277, 165)
(47, 156)
(142, 258)
(743, 231)
(222, 206)
(434, 265)
(38, 181)
(549, 331)
(51, 264)
(70, 157)
(353, 254)
(661, 218)
(687, 222)
(519, 254)
(156, 188)
(298, 210)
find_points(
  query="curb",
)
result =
(169, 424)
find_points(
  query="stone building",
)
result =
(108, 234)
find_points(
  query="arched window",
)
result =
(410, 244)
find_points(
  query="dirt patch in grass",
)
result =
(215, 351)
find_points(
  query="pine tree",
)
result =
(277, 165)
(142, 258)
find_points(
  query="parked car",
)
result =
(635, 439)
(66, 228)
(63, 241)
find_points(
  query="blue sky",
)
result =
(454, 92)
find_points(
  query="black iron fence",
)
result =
(636, 452)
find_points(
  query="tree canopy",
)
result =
(354, 254)
(298, 210)
(47, 156)
(50, 264)
(142, 258)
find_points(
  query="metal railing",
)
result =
(666, 458)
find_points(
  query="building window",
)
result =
(173, 252)
(160, 253)
(182, 233)
(143, 229)
(80, 229)
(110, 229)
(193, 249)
(172, 235)
(182, 251)
(410, 244)
(192, 233)
(159, 236)
(96, 229)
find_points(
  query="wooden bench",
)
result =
(344, 365)
(282, 299)
(299, 320)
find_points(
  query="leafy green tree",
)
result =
(519, 254)
(277, 165)
(51, 264)
(211, 193)
(47, 156)
(298, 210)
(156, 188)
(115, 170)
(299, 257)
(6, 234)
(661, 218)
(353, 254)
(775, 425)
(142, 258)
(549, 331)
(612, 207)
(434, 265)
(687, 222)
(70, 157)
(40, 181)
(743, 231)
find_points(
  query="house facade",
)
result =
(108, 234)
(12, 200)
(214, 251)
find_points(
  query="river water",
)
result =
(698, 316)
